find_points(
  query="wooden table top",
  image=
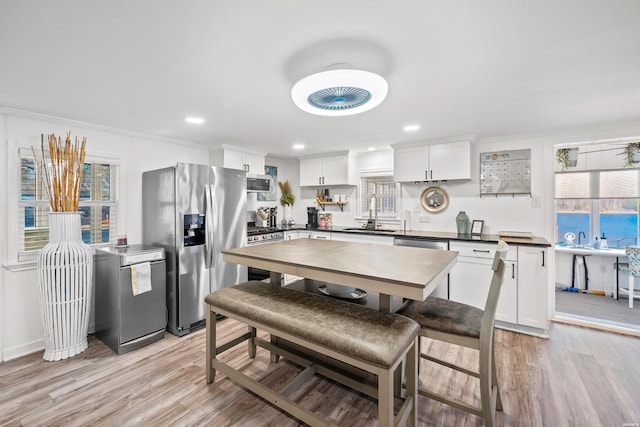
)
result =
(392, 270)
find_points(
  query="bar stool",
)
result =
(633, 270)
(467, 326)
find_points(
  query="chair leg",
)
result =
(486, 386)
(211, 345)
(632, 280)
(494, 380)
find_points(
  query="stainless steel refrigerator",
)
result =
(194, 212)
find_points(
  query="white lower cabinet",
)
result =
(524, 292)
(362, 238)
(288, 279)
(532, 287)
(470, 279)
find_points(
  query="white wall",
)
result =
(19, 309)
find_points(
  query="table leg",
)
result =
(276, 278)
(385, 303)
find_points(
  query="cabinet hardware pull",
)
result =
(513, 271)
(478, 250)
(426, 174)
(431, 173)
(321, 237)
(319, 180)
(543, 259)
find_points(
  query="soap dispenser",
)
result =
(603, 241)
(596, 244)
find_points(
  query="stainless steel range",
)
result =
(261, 236)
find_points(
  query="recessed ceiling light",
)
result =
(372, 148)
(339, 92)
(194, 120)
(298, 146)
(411, 128)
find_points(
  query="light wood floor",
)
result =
(578, 377)
(600, 309)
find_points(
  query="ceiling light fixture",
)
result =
(298, 146)
(339, 92)
(411, 128)
(194, 120)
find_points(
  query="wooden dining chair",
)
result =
(632, 269)
(467, 326)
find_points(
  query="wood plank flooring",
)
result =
(600, 309)
(578, 377)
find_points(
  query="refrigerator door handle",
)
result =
(208, 225)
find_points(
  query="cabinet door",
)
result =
(411, 164)
(532, 287)
(255, 163)
(311, 172)
(362, 238)
(335, 170)
(233, 159)
(507, 310)
(469, 281)
(450, 161)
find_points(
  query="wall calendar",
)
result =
(505, 172)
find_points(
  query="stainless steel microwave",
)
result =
(258, 183)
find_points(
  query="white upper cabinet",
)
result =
(335, 169)
(434, 162)
(238, 159)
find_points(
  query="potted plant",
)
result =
(286, 200)
(65, 264)
(631, 153)
(567, 157)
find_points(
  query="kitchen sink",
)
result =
(381, 230)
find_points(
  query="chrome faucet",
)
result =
(372, 222)
(581, 234)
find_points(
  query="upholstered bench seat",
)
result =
(361, 337)
(350, 329)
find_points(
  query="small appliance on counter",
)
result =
(312, 217)
(262, 217)
(131, 309)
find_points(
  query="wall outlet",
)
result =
(423, 218)
(535, 202)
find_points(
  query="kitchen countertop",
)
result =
(426, 235)
(617, 252)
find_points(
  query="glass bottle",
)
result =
(462, 222)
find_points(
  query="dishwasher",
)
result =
(130, 315)
(442, 291)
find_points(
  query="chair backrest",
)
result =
(488, 318)
(633, 253)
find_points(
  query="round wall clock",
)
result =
(434, 199)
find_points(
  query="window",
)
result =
(386, 192)
(597, 203)
(98, 204)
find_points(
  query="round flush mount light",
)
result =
(411, 128)
(339, 92)
(194, 120)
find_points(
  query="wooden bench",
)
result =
(370, 340)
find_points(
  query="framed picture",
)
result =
(476, 227)
(272, 173)
(434, 199)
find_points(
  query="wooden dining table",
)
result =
(401, 271)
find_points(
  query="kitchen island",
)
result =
(388, 270)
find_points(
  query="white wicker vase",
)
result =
(65, 269)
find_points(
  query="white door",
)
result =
(532, 280)
(411, 164)
(311, 172)
(450, 161)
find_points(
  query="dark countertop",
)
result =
(425, 235)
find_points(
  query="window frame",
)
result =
(386, 173)
(594, 203)
(113, 203)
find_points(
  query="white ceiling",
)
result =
(456, 67)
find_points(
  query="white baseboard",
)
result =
(22, 350)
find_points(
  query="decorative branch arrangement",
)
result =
(287, 197)
(61, 171)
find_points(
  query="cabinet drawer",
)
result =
(481, 250)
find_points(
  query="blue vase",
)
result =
(462, 222)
